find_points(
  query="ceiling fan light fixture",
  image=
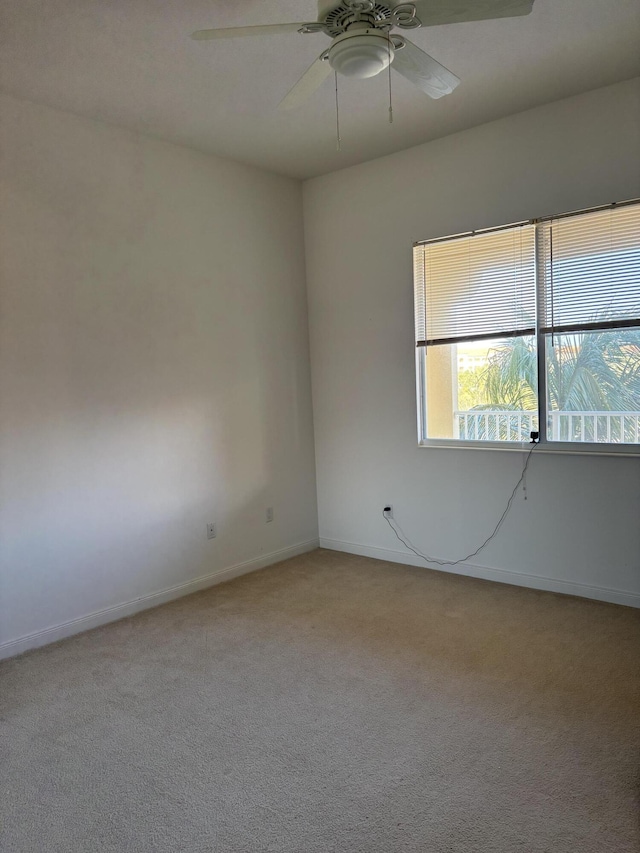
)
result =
(361, 54)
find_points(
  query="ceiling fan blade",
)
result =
(435, 12)
(311, 80)
(423, 71)
(237, 32)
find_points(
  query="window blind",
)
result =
(475, 287)
(591, 269)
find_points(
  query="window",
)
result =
(532, 327)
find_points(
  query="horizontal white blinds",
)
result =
(475, 287)
(591, 269)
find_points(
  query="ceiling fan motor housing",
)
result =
(361, 53)
(337, 15)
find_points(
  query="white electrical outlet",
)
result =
(388, 511)
(269, 514)
(211, 531)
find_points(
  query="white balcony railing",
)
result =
(505, 425)
(494, 425)
(609, 427)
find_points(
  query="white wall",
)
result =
(155, 371)
(578, 531)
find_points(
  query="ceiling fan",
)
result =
(362, 43)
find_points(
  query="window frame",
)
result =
(545, 445)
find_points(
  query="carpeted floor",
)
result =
(331, 703)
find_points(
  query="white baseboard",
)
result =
(128, 608)
(613, 596)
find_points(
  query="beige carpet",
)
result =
(331, 703)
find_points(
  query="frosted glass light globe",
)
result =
(361, 55)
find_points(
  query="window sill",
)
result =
(566, 448)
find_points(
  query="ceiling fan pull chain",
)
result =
(338, 140)
(389, 67)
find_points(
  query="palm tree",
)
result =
(596, 371)
(586, 371)
(510, 377)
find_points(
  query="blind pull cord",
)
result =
(389, 67)
(338, 140)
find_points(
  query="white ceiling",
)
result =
(131, 63)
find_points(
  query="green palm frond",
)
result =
(510, 377)
(590, 371)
